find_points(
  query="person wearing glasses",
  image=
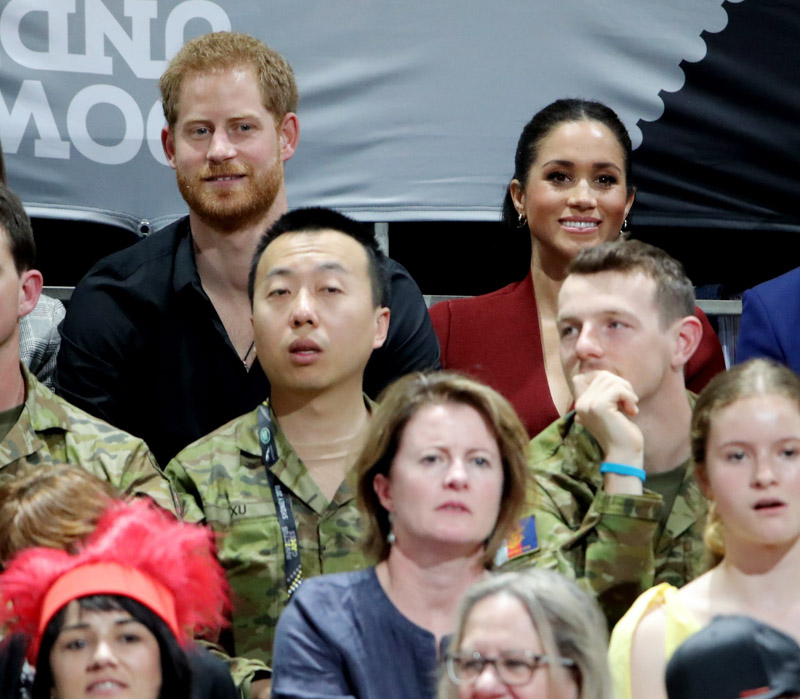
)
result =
(528, 635)
(441, 480)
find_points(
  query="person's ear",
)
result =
(168, 144)
(382, 315)
(289, 135)
(688, 333)
(382, 487)
(629, 203)
(30, 288)
(517, 192)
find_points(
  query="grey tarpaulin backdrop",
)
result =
(409, 110)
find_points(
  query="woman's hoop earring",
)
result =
(522, 220)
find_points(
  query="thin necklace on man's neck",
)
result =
(247, 354)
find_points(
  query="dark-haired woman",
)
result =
(116, 618)
(571, 189)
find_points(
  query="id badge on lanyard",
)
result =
(283, 505)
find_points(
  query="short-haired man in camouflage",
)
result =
(276, 481)
(627, 328)
(37, 427)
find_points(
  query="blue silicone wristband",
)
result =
(622, 470)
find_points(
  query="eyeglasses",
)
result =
(513, 667)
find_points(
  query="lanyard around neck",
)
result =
(283, 505)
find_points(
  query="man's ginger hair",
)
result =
(225, 50)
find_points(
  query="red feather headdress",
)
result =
(136, 551)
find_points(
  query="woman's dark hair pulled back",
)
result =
(544, 122)
(176, 676)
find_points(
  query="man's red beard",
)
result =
(236, 208)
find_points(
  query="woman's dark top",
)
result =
(341, 636)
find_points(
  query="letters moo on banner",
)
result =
(408, 110)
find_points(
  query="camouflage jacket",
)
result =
(221, 480)
(51, 431)
(606, 542)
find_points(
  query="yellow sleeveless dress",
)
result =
(680, 625)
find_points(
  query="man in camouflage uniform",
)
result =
(157, 337)
(35, 425)
(318, 292)
(627, 328)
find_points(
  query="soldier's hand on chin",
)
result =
(604, 404)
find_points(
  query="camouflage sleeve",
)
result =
(243, 670)
(604, 542)
(190, 502)
(142, 476)
(124, 461)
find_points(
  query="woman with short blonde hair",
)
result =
(564, 625)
